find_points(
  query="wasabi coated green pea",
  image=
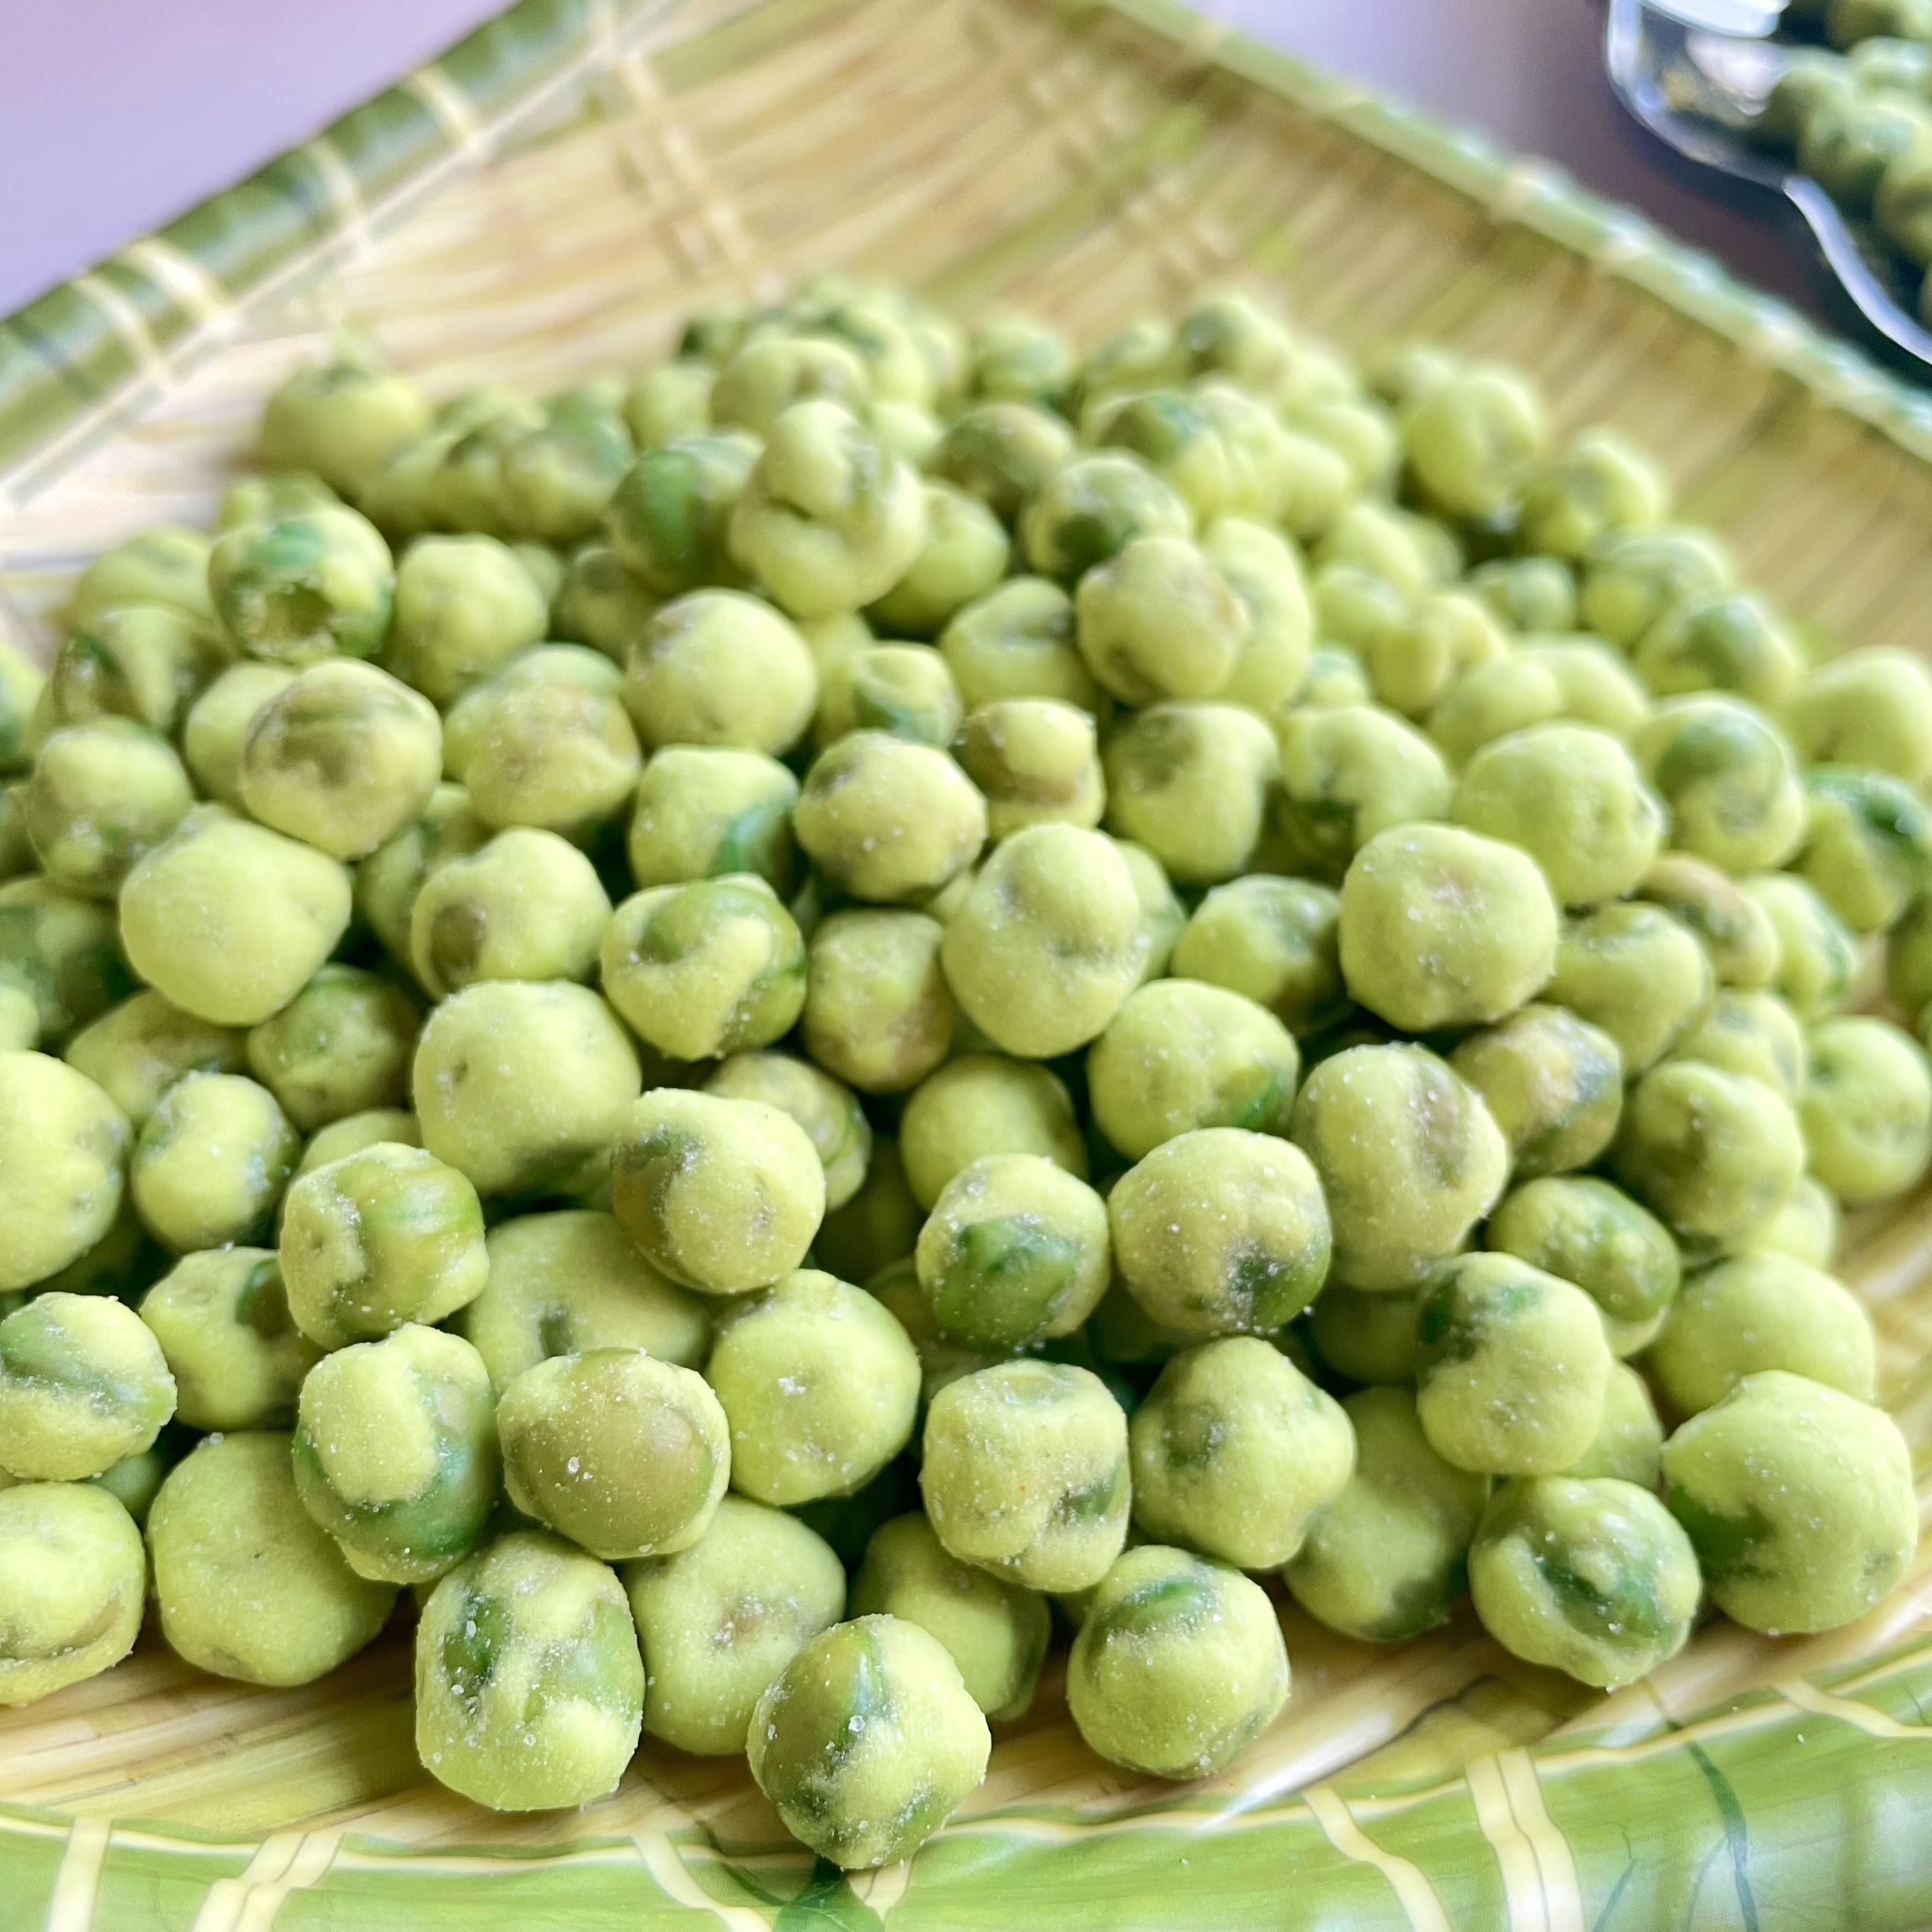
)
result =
(964, 556)
(1806, 1228)
(557, 480)
(1190, 782)
(1235, 1453)
(464, 607)
(1490, 701)
(718, 667)
(703, 810)
(1440, 928)
(1047, 942)
(395, 1454)
(820, 1385)
(904, 690)
(1869, 709)
(599, 603)
(830, 1113)
(1024, 1474)
(1265, 576)
(1409, 1159)
(670, 401)
(521, 1085)
(1592, 1577)
(1356, 608)
(1715, 1154)
(1143, 356)
(1867, 845)
(1629, 1443)
(355, 1131)
(669, 517)
(342, 422)
(867, 1740)
(1728, 779)
(1866, 1109)
(1220, 1231)
(1179, 1055)
(722, 1196)
(1089, 511)
(1348, 773)
(705, 969)
(388, 881)
(1599, 486)
(145, 662)
(769, 373)
(222, 1319)
(83, 1384)
(343, 1045)
(166, 564)
(62, 952)
(1178, 1665)
(1584, 1231)
(212, 1162)
(63, 1148)
(527, 906)
(1219, 450)
(1157, 619)
(1274, 939)
(1733, 644)
(529, 1691)
(322, 584)
(1752, 1034)
(1471, 438)
(137, 1050)
(216, 725)
(551, 753)
(1798, 1501)
(1385, 1560)
(229, 920)
(1633, 971)
(981, 1105)
(269, 499)
(72, 1587)
(1035, 762)
(1390, 545)
(1552, 1083)
(249, 1587)
(1511, 1367)
(878, 1011)
(1003, 452)
(1412, 665)
(1536, 594)
(1736, 931)
(1816, 957)
(1017, 641)
(383, 1236)
(102, 796)
(1634, 577)
(1019, 358)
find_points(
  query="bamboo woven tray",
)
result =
(542, 204)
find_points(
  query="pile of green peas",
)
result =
(760, 1030)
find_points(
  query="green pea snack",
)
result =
(1190, 782)
(342, 422)
(464, 606)
(221, 1317)
(1816, 957)
(1633, 972)
(73, 1574)
(1034, 760)
(1865, 1109)
(102, 795)
(1277, 940)
(1729, 780)
(212, 1162)
(904, 690)
(669, 515)
(1871, 709)
(527, 906)
(1553, 1084)
(888, 820)
(703, 810)
(83, 1384)
(1017, 641)
(313, 585)
(1867, 845)
(1348, 772)
(63, 1147)
(1736, 931)
(1629, 1441)
(1087, 511)
(342, 1045)
(167, 566)
(878, 1011)
(719, 668)
(830, 1113)
(1756, 1034)
(980, 1105)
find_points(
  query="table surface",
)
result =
(116, 115)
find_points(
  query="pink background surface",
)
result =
(116, 115)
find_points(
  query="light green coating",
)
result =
(1866, 1109)
(1020, 359)
(222, 1319)
(83, 1385)
(1347, 773)
(212, 1162)
(1181, 1054)
(464, 607)
(135, 1051)
(530, 1691)
(62, 953)
(1002, 452)
(1025, 1473)
(380, 1237)
(63, 1147)
(705, 810)
(1599, 486)
(1441, 928)
(1593, 1576)
(878, 1011)
(1511, 1367)
(343, 421)
(599, 603)
(1633, 971)
(981, 1105)
(1629, 1443)
(905, 690)
(1816, 957)
(1190, 782)
(1552, 1083)
(1235, 1453)
(145, 662)
(321, 584)
(887, 820)
(165, 565)
(1585, 1230)
(1364, 1337)
(217, 726)
(102, 796)
(388, 881)
(829, 1113)
(1736, 931)
(230, 920)
(1091, 509)
(1871, 709)
(1729, 780)
(1035, 761)
(1715, 1154)
(897, 1288)
(1413, 663)
(341, 1046)
(1490, 701)
(1162, 914)
(527, 906)
(1265, 575)
(1358, 608)
(1219, 1231)
(821, 1384)
(1867, 845)
(867, 1740)
(1047, 942)
(395, 1454)
(1017, 641)
(1158, 620)
(22, 690)
(1408, 1157)
(73, 1577)
(548, 752)
(1733, 643)
(1532, 595)
(722, 1196)
(1596, 686)
(1471, 439)
(1275, 941)
(268, 500)
(1798, 1501)
(1384, 1561)
(556, 481)
(625, 1455)
(670, 401)
(249, 1587)
(1218, 449)
(522, 1085)
(19, 1020)
(355, 1131)
(964, 556)
(1637, 577)
(877, 1227)
(1178, 1666)
(1752, 1034)
(720, 668)
(1806, 1228)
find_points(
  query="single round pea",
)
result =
(211, 1161)
(355, 1131)
(670, 401)
(1552, 1083)
(1158, 620)
(1384, 1561)
(1002, 450)
(341, 1046)
(72, 1587)
(217, 724)
(135, 1051)
(905, 691)
(1276, 940)
(1736, 931)
(1870, 709)
(1806, 1228)
(146, 662)
(964, 556)
(599, 603)
(1347, 773)
(1537, 595)
(1190, 782)
(878, 1011)
(1816, 957)
(529, 1691)
(830, 1113)
(1633, 577)
(63, 1147)
(1631, 971)
(62, 952)
(221, 1317)
(1492, 700)
(1629, 1443)
(1019, 357)
(522, 1085)
(1729, 780)
(1035, 761)
(1867, 845)
(1364, 1337)
(310, 587)
(342, 421)
(1866, 1109)
(1089, 510)
(1797, 1500)
(165, 565)
(1755, 1034)
(1600, 485)
(1471, 439)
(703, 810)
(887, 820)
(464, 607)
(1715, 1154)
(1017, 641)
(249, 1587)
(669, 517)
(102, 796)
(83, 1384)
(556, 753)
(980, 1105)
(1732, 643)
(1263, 572)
